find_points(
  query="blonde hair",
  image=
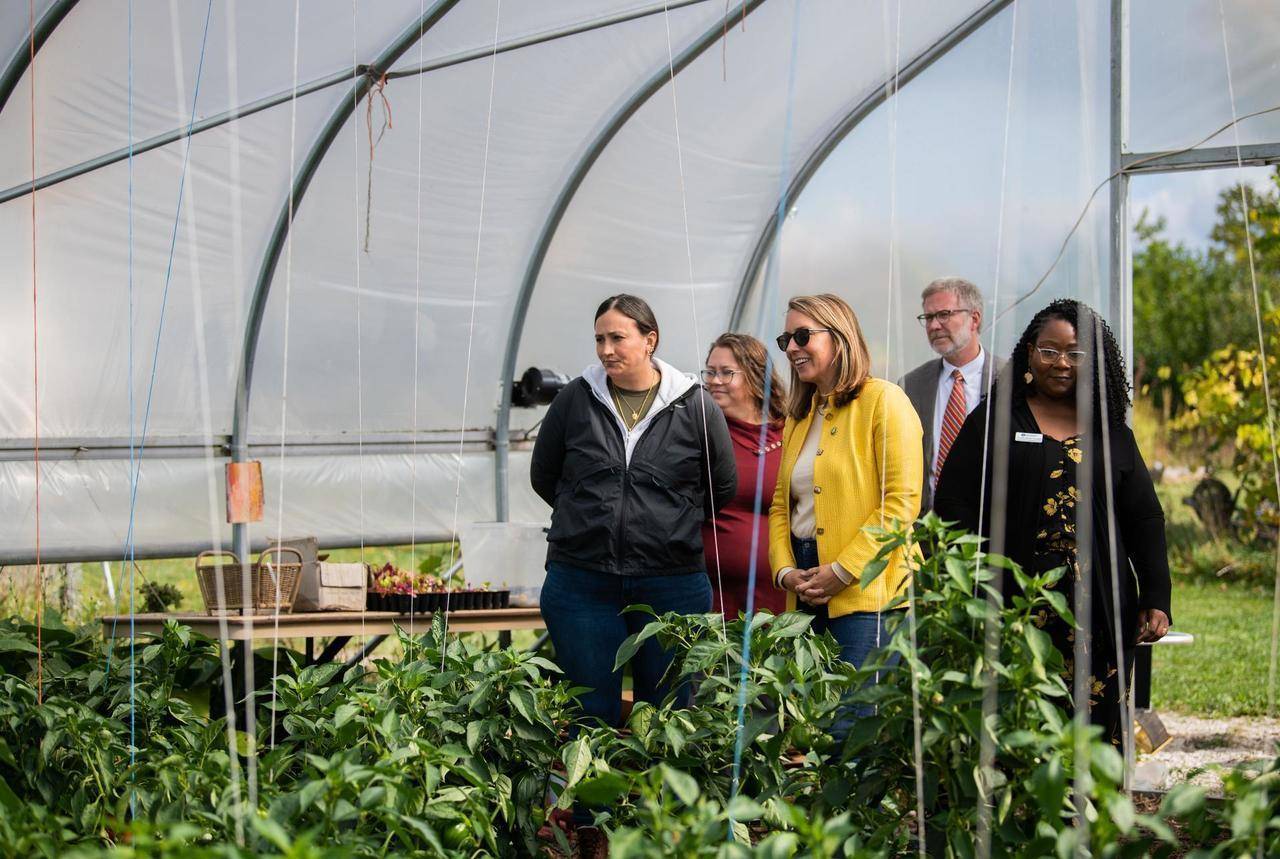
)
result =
(853, 358)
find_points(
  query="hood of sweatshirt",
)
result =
(674, 384)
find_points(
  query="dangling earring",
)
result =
(1027, 377)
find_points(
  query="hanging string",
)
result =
(379, 89)
(697, 338)
(991, 630)
(213, 500)
(471, 324)
(35, 365)
(284, 360)
(1124, 701)
(417, 310)
(1262, 359)
(768, 302)
(355, 151)
(135, 459)
(893, 60)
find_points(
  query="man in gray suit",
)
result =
(945, 390)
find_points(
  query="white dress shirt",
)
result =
(972, 374)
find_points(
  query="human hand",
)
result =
(794, 579)
(1152, 625)
(820, 585)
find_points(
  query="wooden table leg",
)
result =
(1142, 678)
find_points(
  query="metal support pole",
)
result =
(655, 82)
(279, 234)
(1120, 303)
(21, 59)
(839, 131)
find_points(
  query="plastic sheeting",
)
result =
(344, 500)
(408, 334)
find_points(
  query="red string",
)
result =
(379, 89)
(35, 365)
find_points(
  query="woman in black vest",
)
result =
(633, 455)
(1048, 445)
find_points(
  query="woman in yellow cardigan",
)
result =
(851, 459)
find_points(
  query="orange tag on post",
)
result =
(244, 492)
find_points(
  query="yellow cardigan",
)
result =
(876, 436)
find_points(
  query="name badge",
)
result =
(1029, 437)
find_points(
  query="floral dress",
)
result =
(1056, 547)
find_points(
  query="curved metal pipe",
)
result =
(279, 233)
(502, 429)
(329, 80)
(21, 60)
(846, 124)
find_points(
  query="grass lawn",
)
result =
(1222, 594)
(1224, 673)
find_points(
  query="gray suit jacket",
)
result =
(921, 385)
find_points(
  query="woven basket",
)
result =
(262, 581)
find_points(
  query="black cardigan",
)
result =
(1139, 539)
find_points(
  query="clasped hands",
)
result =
(815, 586)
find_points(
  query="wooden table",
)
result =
(311, 625)
(338, 626)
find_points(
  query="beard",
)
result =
(952, 344)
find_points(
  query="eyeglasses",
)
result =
(943, 316)
(800, 335)
(710, 375)
(1051, 356)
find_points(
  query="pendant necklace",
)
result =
(618, 400)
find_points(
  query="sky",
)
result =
(1188, 201)
(986, 161)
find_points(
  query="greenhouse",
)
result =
(292, 432)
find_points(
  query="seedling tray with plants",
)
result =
(411, 592)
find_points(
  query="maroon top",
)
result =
(733, 525)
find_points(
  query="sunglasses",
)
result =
(800, 335)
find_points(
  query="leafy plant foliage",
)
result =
(456, 750)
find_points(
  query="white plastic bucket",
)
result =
(506, 554)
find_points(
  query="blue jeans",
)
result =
(857, 634)
(583, 613)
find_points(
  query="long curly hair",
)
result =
(1088, 324)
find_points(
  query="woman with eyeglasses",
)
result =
(1057, 418)
(735, 377)
(852, 459)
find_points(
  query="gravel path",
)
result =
(1199, 742)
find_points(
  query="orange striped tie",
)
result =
(952, 419)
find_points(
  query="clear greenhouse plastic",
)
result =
(412, 275)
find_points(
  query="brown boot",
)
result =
(592, 843)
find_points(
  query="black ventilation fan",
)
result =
(537, 387)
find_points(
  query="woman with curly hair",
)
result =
(1044, 432)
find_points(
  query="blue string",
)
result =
(770, 292)
(135, 459)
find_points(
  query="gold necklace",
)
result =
(635, 412)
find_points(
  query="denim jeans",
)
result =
(583, 613)
(857, 633)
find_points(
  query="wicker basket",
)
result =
(263, 581)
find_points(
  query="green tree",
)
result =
(1182, 309)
